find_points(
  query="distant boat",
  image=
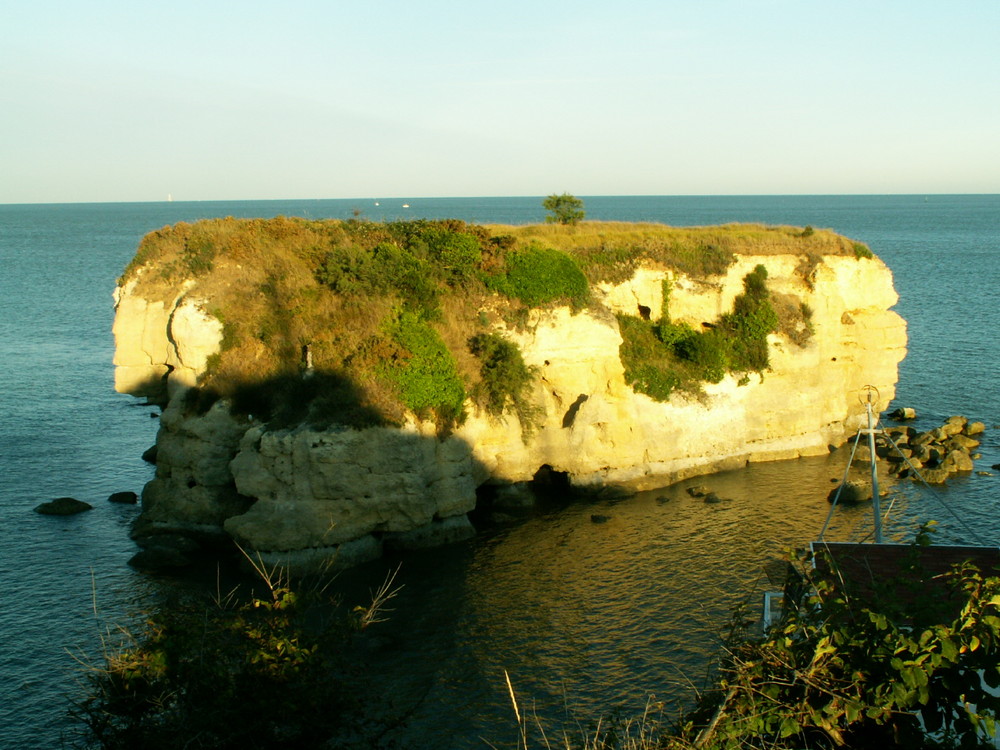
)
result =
(406, 205)
(376, 203)
(170, 198)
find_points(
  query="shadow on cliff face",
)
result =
(340, 489)
(152, 388)
(320, 399)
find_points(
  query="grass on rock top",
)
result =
(390, 312)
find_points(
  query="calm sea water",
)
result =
(586, 618)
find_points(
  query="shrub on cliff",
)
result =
(506, 381)
(662, 356)
(752, 319)
(424, 370)
(650, 366)
(386, 269)
(538, 275)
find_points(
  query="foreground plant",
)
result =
(837, 674)
(268, 672)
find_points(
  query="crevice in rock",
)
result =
(570, 416)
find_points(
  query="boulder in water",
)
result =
(957, 460)
(850, 493)
(124, 498)
(63, 506)
(935, 476)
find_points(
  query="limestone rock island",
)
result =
(332, 387)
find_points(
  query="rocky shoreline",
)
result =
(935, 455)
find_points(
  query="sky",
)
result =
(118, 100)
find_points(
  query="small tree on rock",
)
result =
(565, 208)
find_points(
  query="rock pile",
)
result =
(936, 454)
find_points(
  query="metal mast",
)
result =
(871, 398)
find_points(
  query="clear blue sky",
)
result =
(130, 100)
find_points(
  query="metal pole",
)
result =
(871, 447)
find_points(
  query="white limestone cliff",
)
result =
(300, 496)
(161, 344)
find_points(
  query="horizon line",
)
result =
(492, 197)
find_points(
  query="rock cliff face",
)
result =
(300, 496)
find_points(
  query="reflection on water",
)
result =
(594, 606)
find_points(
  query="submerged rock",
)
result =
(164, 552)
(850, 493)
(63, 506)
(124, 498)
(159, 559)
(934, 476)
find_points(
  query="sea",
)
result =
(585, 619)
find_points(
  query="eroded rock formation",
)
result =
(300, 496)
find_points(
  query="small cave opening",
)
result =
(644, 312)
(549, 483)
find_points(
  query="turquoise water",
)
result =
(585, 617)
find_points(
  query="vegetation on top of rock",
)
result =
(388, 311)
(424, 370)
(662, 356)
(537, 275)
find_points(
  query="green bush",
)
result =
(385, 269)
(538, 275)
(454, 253)
(861, 250)
(650, 366)
(671, 334)
(199, 254)
(834, 673)
(426, 372)
(661, 357)
(708, 351)
(506, 381)
(752, 319)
